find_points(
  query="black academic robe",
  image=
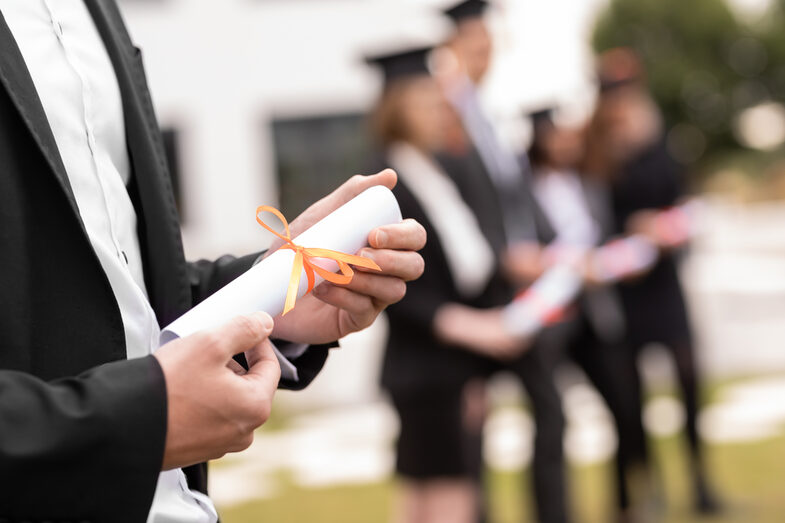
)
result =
(416, 361)
(654, 304)
(535, 366)
(595, 339)
(82, 429)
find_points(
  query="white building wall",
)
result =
(220, 70)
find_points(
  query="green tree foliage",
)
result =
(704, 64)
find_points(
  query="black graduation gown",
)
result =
(654, 304)
(535, 367)
(415, 360)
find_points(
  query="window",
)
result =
(314, 155)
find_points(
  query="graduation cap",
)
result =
(402, 63)
(467, 9)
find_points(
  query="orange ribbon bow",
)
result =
(303, 257)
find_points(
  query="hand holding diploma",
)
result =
(544, 303)
(332, 311)
(361, 215)
(668, 228)
(214, 406)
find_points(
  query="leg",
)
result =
(410, 503)
(436, 459)
(475, 412)
(612, 370)
(687, 373)
(548, 467)
(450, 501)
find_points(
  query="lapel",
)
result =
(16, 79)
(159, 228)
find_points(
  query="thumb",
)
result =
(240, 334)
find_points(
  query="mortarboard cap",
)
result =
(402, 63)
(467, 9)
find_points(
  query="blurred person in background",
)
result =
(447, 332)
(498, 185)
(626, 148)
(579, 210)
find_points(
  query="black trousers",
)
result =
(535, 370)
(611, 368)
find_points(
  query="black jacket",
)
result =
(654, 304)
(82, 429)
(415, 360)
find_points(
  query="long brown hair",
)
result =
(387, 121)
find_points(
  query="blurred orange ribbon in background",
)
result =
(303, 257)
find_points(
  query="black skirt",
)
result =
(434, 442)
(655, 307)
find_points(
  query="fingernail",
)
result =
(265, 319)
(381, 238)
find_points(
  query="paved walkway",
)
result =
(350, 445)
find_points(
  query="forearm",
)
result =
(103, 431)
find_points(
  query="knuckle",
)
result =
(212, 339)
(422, 236)
(218, 454)
(248, 327)
(419, 266)
(263, 412)
(399, 291)
(259, 414)
(243, 441)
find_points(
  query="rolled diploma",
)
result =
(263, 287)
(551, 292)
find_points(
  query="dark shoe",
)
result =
(706, 502)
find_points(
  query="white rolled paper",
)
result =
(624, 257)
(264, 286)
(549, 295)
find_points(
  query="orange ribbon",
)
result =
(303, 257)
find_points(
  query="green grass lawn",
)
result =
(750, 478)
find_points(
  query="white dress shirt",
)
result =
(505, 169)
(470, 258)
(78, 88)
(562, 198)
(500, 161)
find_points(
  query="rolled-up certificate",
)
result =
(544, 302)
(264, 286)
(625, 257)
